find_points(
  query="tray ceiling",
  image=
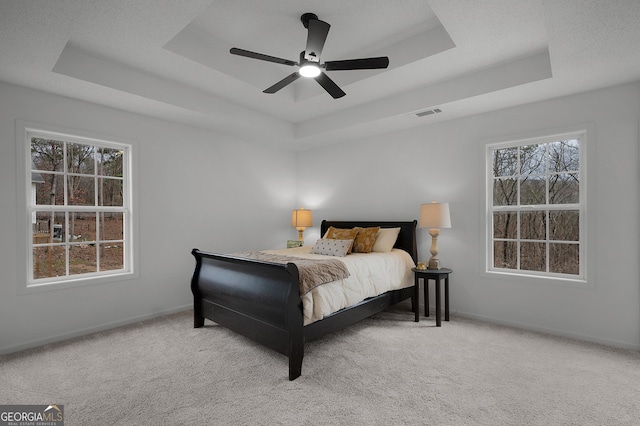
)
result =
(170, 59)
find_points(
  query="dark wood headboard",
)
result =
(406, 238)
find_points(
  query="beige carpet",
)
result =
(386, 370)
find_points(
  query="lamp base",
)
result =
(434, 264)
(300, 232)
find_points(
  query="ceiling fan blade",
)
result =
(260, 56)
(282, 83)
(358, 64)
(329, 85)
(316, 37)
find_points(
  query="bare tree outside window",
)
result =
(536, 207)
(79, 208)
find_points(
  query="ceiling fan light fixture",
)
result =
(309, 65)
(309, 70)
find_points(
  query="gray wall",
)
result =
(199, 189)
(195, 189)
(389, 176)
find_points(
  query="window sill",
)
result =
(538, 279)
(77, 282)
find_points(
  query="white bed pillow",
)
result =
(331, 247)
(385, 240)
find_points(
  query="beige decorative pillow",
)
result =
(386, 239)
(365, 239)
(332, 247)
(341, 234)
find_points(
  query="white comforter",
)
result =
(371, 274)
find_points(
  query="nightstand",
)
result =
(437, 275)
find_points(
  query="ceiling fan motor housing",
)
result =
(306, 17)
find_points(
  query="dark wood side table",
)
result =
(437, 275)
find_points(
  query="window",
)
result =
(536, 202)
(79, 208)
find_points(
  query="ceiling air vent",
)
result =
(428, 112)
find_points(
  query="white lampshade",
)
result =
(301, 218)
(435, 216)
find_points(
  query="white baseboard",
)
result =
(554, 332)
(84, 331)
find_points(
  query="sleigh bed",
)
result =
(262, 300)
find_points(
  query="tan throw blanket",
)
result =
(312, 272)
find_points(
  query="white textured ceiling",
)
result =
(169, 59)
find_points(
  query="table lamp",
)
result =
(301, 219)
(434, 216)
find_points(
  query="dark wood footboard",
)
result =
(261, 300)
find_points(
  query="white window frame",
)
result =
(581, 277)
(26, 207)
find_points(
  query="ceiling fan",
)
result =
(309, 64)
